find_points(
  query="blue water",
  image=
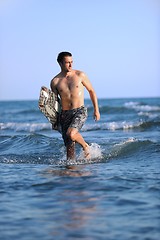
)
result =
(116, 195)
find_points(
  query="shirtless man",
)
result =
(69, 85)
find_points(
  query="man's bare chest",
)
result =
(69, 85)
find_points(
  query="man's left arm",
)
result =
(87, 84)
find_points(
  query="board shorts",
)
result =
(74, 118)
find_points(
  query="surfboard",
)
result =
(49, 104)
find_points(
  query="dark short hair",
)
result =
(61, 56)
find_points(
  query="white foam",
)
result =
(148, 114)
(94, 150)
(29, 127)
(113, 126)
(138, 107)
(95, 155)
(118, 147)
(123, 143)
(131, 104)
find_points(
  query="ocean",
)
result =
(115, 195)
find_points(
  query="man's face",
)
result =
(67, 64)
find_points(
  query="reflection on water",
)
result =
(81, 208)
(77, 203)
(73, 171)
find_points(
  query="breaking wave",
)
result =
(53, 152)
(114, 125)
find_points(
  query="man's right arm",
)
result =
(53, 87)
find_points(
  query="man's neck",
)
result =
(66, 73)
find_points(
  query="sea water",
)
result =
(115, 195)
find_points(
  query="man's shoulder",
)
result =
(55, 78)
(79, 73)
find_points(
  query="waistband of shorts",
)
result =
(74, 109)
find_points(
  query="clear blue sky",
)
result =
(116, 43)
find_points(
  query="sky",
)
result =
(116, 43)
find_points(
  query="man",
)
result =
(69, 85)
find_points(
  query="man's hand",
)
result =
(96, 115)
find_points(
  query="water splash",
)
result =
(95, 156)
(94, 150)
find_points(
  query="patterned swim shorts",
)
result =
(74, 118)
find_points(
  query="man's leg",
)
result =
(75, 136)
(70, 151)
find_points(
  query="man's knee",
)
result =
(71, 133)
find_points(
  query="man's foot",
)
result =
(87, 152)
